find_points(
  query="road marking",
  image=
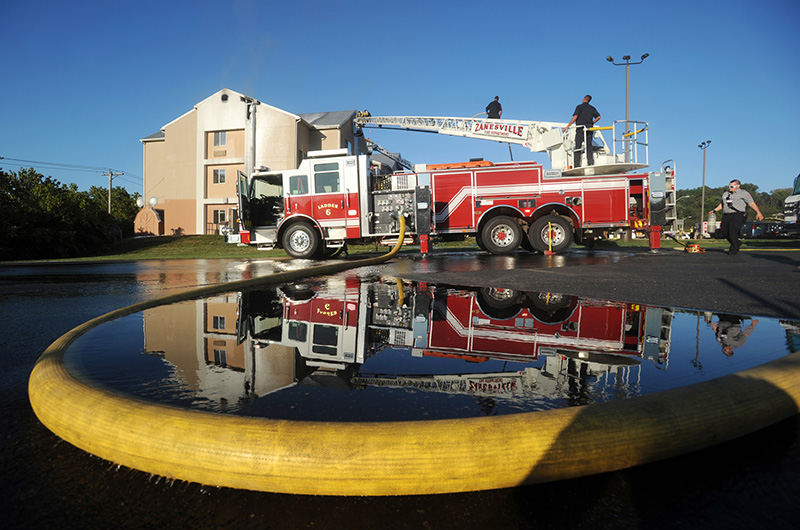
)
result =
(770, 249)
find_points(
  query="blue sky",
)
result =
(84, 81)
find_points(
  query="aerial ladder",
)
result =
(628, 150)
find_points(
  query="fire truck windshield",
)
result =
(326, 338)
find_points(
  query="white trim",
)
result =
(223, 161)
(471, 332)
(178, 118)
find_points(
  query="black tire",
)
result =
(501, 235)
(526, 244)
(499, 304)
(559, 230)
(301, 240)
(479, 242)
(298, 292)
(551, 308)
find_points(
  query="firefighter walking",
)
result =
(734, 205)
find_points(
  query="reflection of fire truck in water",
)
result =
(340, 324)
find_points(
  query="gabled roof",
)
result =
(240, 95)
(317, 120)
(336, 118)
(153, 137)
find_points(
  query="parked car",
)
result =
(790, 230)
(769, 230)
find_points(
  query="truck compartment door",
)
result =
(658, 198)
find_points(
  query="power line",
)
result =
(63, 165)
(51, 167)
(23, 163)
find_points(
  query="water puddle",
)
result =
(362, 347)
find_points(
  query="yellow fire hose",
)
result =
(405, 457)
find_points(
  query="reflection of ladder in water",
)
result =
(657, 335)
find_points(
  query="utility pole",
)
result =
(627, 64)
(111, 174)
(250, 146)
(703, 145)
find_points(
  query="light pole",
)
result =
(703, 145)
(627, 64)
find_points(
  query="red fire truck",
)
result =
(334, 198)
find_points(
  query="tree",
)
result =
(123, 206)
(688, 201)
(42, 218)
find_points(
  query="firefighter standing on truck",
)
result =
(494, 109)
(586, 116)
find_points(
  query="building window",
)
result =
(218, 322)
(219, 176)
(326, 178)
(219, 217)
(220, 357)
(219, 138)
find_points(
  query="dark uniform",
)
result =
(493, 109)
(586, 115)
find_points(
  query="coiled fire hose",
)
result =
(402, 457)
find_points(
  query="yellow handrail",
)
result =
(631, 133)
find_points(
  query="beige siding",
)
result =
(178, 216)
(277, 139)
(170, 164)
(233, 148)
(170, 174)
(172, 331)
(224, 189)
(331, 139)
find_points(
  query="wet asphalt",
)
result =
(753, 282)
(746, 483)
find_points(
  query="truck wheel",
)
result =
(551, 230)
(551, 308)
(499, 304)
(501, 235)
(298, 292)
(301, 241)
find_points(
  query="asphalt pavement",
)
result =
(759, 282)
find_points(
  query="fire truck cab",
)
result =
(332, 197)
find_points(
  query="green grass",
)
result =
(214, 247)
(704, 243)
